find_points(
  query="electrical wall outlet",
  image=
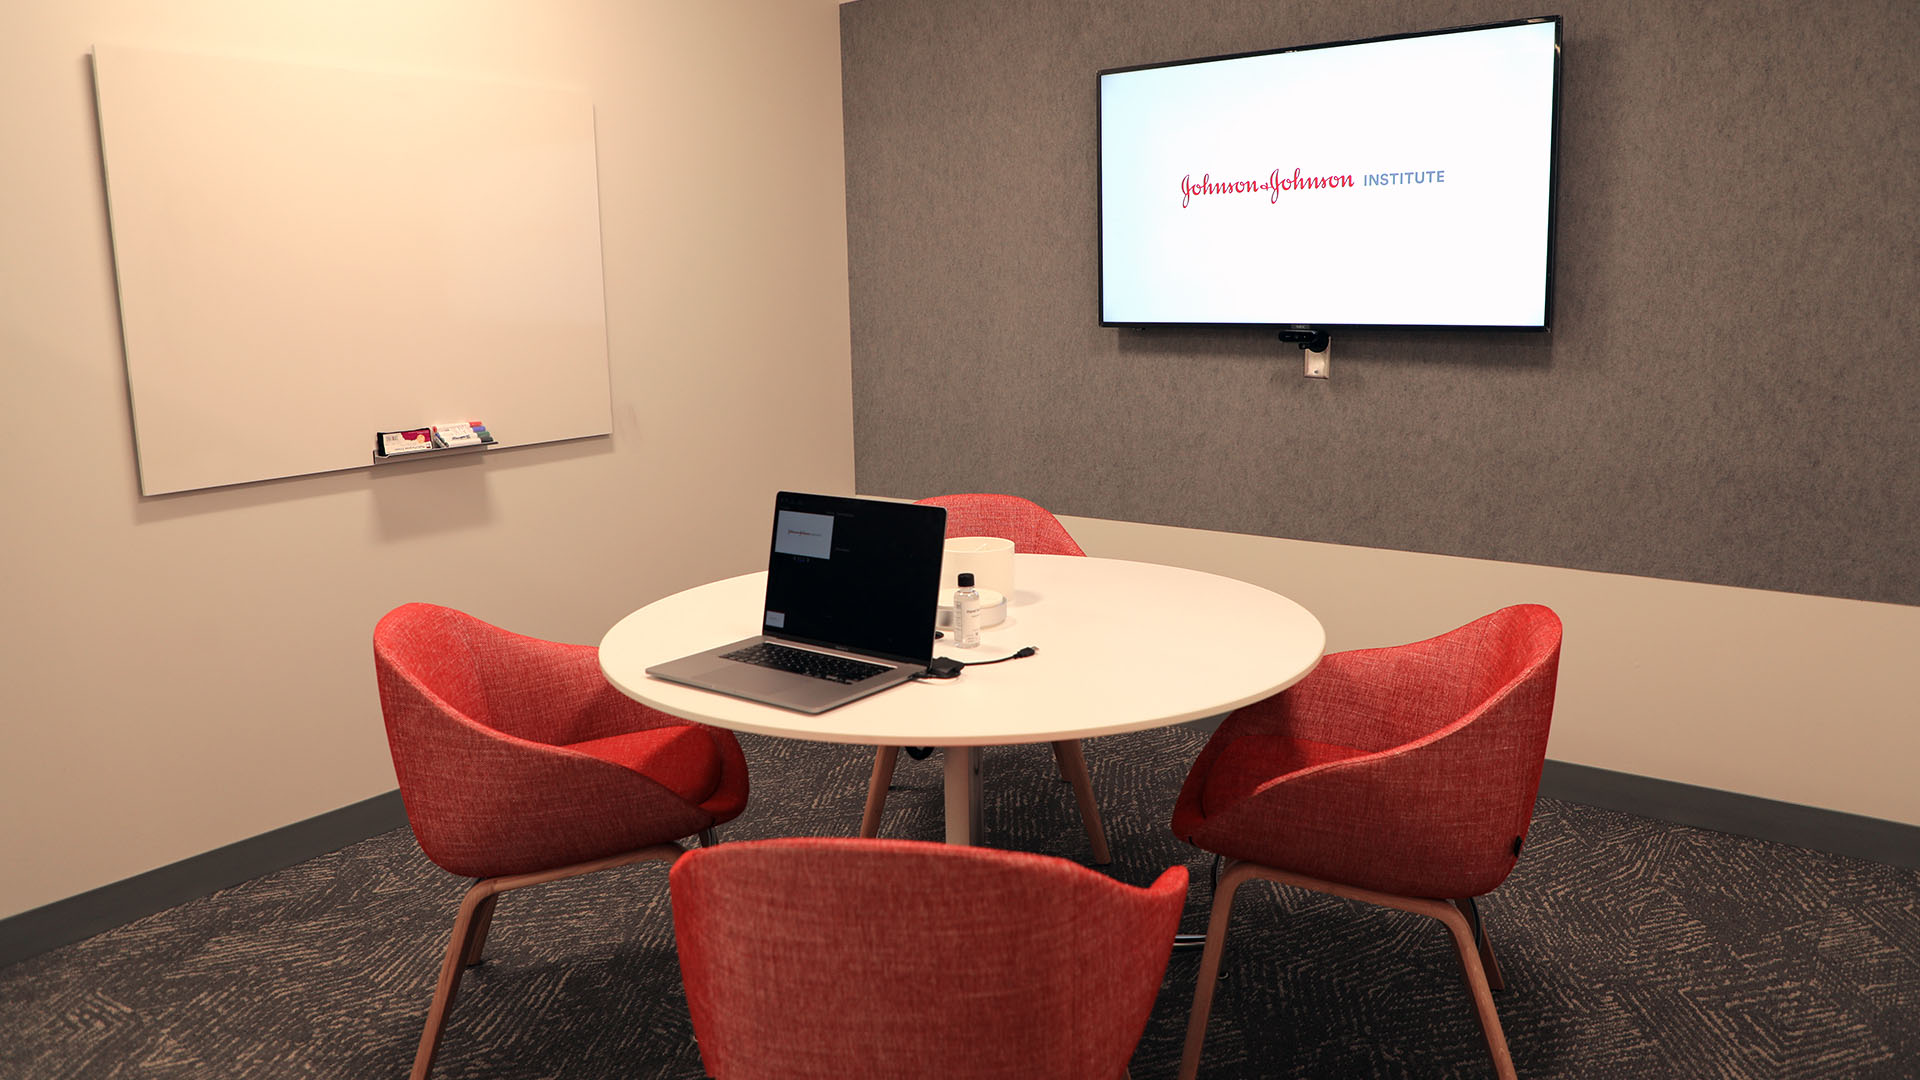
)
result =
(1318, 362)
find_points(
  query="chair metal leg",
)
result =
(1073, 766)
(1186, 942)
(470, 928)
(884, 758)
(1237, 872)
(1472, 911)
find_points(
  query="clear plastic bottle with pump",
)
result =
(966, 614)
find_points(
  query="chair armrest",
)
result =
(1453, 732)
(1371, 699)
(1440, 816)
(483, 804)
(554, 693)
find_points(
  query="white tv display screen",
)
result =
(1404, 181)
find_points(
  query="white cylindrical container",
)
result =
(988, 558)
(966, 614)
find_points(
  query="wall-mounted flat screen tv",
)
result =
(1403, 181)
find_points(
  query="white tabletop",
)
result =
(1122, 646)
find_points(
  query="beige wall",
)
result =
(1806, 699)
(182, 672)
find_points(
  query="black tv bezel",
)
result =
(1553, 186)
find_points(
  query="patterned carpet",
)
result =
(1632, 949)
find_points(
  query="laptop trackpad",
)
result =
(738, 677)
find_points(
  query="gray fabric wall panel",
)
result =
(1731, 393)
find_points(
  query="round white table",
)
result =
(1122, 646)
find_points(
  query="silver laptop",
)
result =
(852, 592)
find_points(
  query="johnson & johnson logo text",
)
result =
(1273, 185)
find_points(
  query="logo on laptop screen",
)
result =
(809, 536)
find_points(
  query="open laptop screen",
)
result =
(857, 574)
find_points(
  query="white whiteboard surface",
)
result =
(308, 255)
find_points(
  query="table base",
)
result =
(963, 794)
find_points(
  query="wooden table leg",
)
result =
(883, 761)
(1073, 766)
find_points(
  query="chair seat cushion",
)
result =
(679, 757)
(1251, 760)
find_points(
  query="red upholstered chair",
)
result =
(1401, 776)
(519, 764)
(1033, 531)
(1021, 965)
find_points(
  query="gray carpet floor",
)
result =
(1632, 949)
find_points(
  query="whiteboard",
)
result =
(308, 255)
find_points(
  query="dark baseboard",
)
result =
(1831, 831)
(64, 921)
(72, 919)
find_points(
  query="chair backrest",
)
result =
(845, 958)
(426, 647)
(1029, 525)
(1488, 762)
(1501, 661)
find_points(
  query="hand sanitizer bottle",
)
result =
(966, 614)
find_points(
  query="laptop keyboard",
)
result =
(805, 662)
